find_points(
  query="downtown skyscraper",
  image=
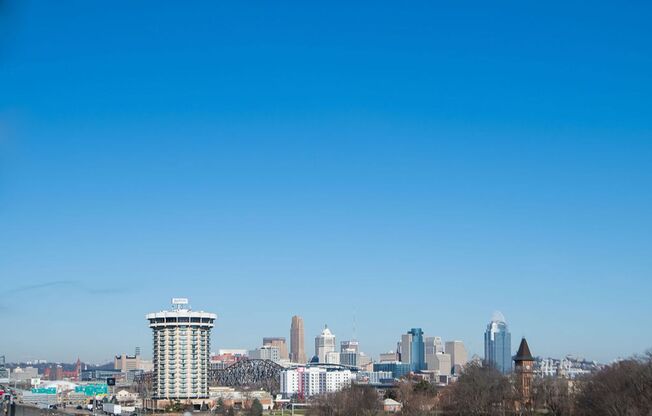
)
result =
(297, 347)
(498, 344)
(325, 346)
(412, 349)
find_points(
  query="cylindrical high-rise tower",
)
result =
(181, 352)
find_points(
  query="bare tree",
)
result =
(352, 401)
(417, 397)
(480, 390)
(620, 389)
(553, 394)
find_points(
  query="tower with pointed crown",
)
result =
(524, 369)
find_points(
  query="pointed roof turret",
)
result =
(523, 353)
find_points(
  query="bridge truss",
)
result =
(248, 373)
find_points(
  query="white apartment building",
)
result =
(311, 381)
(181, 352)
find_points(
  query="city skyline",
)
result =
(375, 355)
(414, 167)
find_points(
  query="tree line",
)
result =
(623, 388)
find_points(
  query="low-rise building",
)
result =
(127, 397)
(126, 363)
(230, 397)
(305, 381)
(226, 357)
(397, 368)
(102, 375)
(392, 406)
(23, 375)
(374, 377)
(569, 367)
(266, 352)
(388, 357)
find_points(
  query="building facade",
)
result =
(498, 344)
(297, 337)
(266, 352)
(374, 377)
(434, 345)
(349, 358)
(181, 340)
(96, 375)
(126, 362)
(4, 371)
(388, 357)
(24, 374)
(311, 381)
(413, 349)
(569, 367)
(440, 363)
(325, 345)
(226, 358)
(350, 346)
(278, 342)
(398, 369)
(459, 356)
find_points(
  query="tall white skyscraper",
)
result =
(324, 344)
(181, 352)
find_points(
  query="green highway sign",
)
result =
(92, 389)
(45, 390)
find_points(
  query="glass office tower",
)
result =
(417, 357)
(498, 344)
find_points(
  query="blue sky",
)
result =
(419, 164)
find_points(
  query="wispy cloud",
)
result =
(37, 286)
(58, 286)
